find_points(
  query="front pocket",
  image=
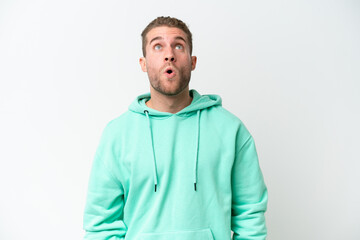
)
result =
(201, 234)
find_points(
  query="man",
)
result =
(177, 165)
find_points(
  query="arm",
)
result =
(103, 215)
(249, 201)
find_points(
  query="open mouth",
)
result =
(169, 72)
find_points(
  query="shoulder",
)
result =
(116, 125)
(221, 114)
(228, 120)
(119, 120)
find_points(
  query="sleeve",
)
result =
(249, 199)
(103, 214)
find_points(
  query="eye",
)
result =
(178, 46)
(157, 47)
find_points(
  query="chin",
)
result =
(169, 87)
(170, 91)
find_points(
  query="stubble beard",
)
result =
(183, 74)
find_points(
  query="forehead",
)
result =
(167, 33)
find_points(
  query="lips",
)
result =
(169, 72)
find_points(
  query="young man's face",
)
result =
(168, 61)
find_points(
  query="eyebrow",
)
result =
(160, 38)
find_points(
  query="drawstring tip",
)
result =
(195, 186)
(155, 187)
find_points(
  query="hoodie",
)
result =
(190, 175)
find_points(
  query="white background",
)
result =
(288, 69)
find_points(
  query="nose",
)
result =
(169, 59)
(169, 56)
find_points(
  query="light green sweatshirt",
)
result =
(192, 175)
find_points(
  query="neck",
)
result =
(171, 104)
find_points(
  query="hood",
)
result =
(199, 102)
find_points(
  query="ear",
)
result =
(193, 62)
(142, 62)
